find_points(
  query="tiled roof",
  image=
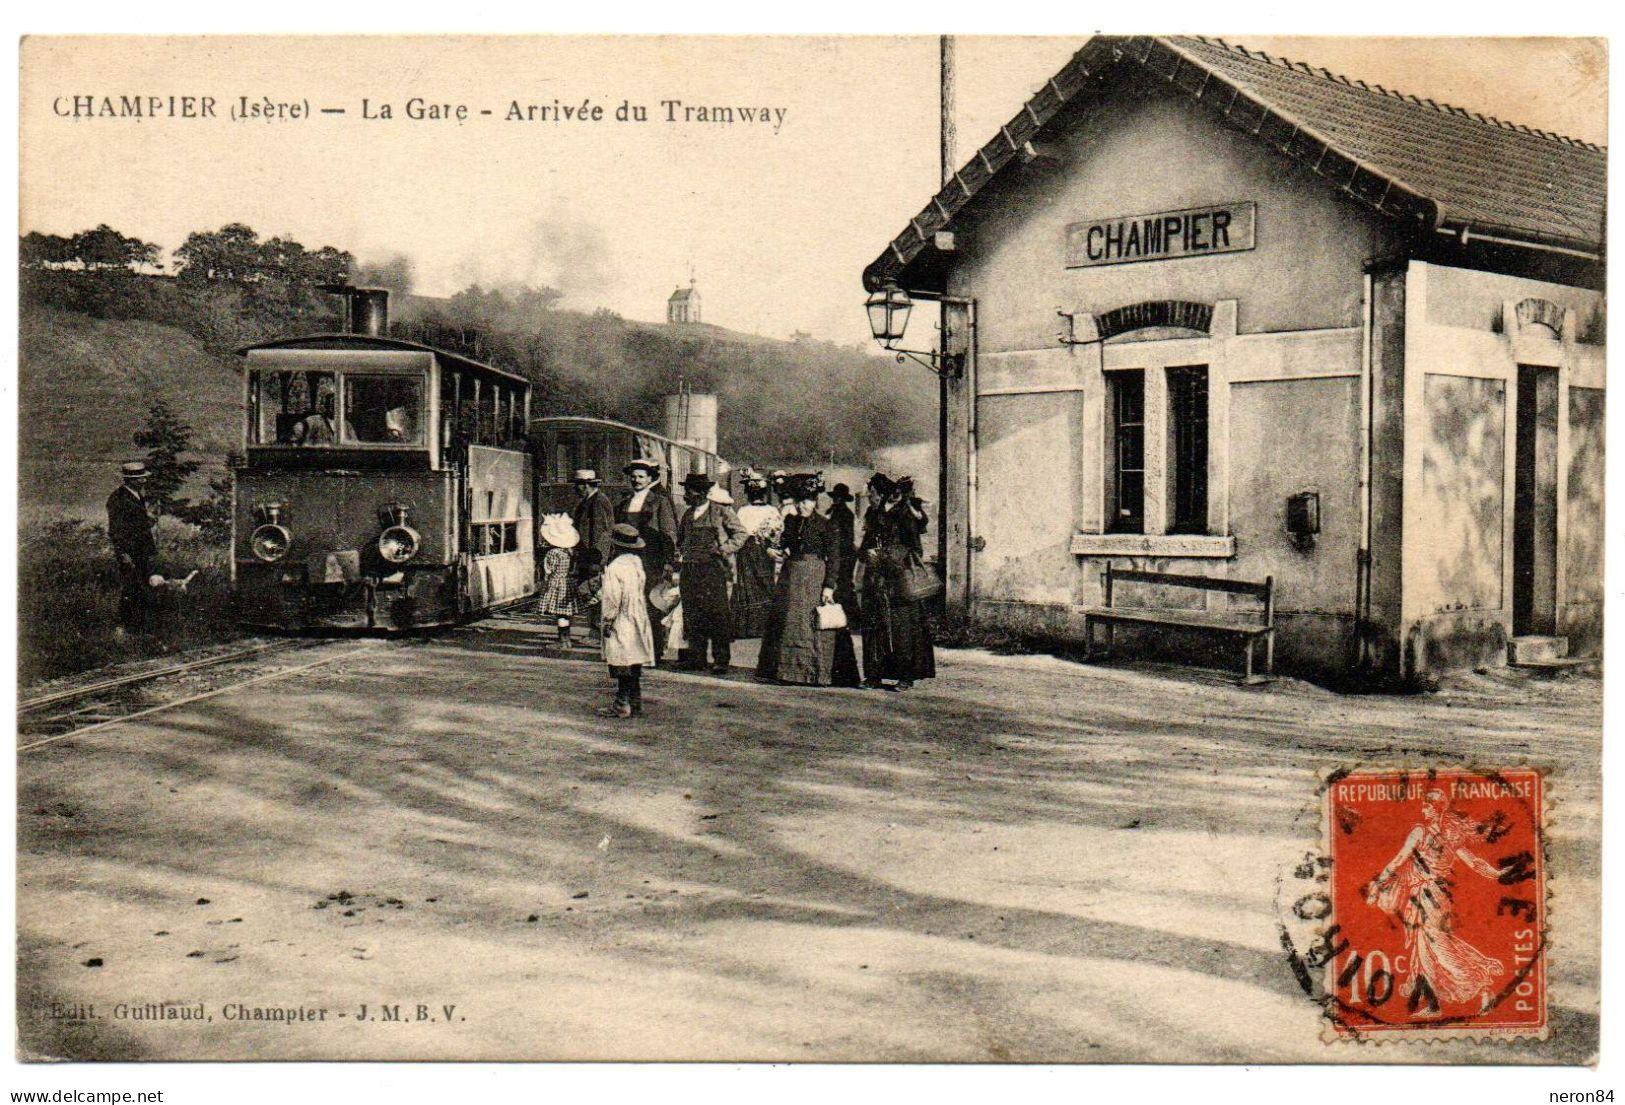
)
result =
(683, 295)
(1410, 158)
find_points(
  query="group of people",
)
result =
(786, 567)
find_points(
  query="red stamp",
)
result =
(1435, 890)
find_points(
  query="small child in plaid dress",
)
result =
(558, 586)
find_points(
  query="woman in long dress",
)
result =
(1415, 888)
(756, 564)
(794, 649)
(648, 508)
(896, 632)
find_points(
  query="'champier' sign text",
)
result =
(1225, 228)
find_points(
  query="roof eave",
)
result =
(1164, 61)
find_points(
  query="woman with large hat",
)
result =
(648, 508)
(896, 632)
(797, 648)
(757, 563)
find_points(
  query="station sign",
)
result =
(1161, 235)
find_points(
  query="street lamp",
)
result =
(889, 309)
(888, 314)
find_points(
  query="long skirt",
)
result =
(794, 649)
(753, 592)
(704, 589)
(896, 636)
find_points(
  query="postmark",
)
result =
(1423, 911)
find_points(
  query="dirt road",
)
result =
(1025, 859)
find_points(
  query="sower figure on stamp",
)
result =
(708, 535)
(135, 550)
(1415, 888)
(628, 637)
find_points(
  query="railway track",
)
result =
(77, 711)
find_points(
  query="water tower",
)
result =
(691, 418)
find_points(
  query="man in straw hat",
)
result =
(628, 637)
(708, 535)
(135, 549)
(594, 514)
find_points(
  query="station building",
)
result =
(1211, 312)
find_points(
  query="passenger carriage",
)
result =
(562, 444)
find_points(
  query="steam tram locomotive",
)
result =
(383, 483)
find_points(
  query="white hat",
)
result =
(719, 494)
(585, 475)
(559, 531)
(664, 596)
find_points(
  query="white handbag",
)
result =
(831, 615)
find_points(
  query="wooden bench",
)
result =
(1232, 624)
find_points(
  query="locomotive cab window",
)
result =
(293, 408)
(383, 410)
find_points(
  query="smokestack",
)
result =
(367, 309)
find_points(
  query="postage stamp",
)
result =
(1425, 912)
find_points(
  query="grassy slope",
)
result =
(84, 386)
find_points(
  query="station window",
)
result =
(1127, 391)
(1187, 433)
(383, 410)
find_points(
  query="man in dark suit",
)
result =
(135, 549)
(593, 516)
(708, 535)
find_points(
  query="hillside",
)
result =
(87, 376)
(83, 388)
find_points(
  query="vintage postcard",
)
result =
(811, 549)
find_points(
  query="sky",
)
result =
(776, 221)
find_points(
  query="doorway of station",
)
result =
(1534, 504)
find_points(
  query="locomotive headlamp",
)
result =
(271, 540)
(399, 542)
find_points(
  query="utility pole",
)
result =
(947, 135)
(949, 132)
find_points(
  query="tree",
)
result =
(213, 514)
(44, 251)
(100, 250)
(230, 253)
(235, 253)
(165, 438)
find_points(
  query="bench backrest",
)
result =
(1264, 591)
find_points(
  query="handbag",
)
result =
(831, 615)
(915, 582)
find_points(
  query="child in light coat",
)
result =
(629, 640)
